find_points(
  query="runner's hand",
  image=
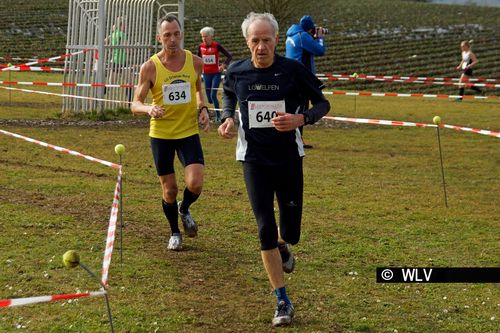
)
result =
(225, 129)
(285, 122)
(156, 112)
(204, 119)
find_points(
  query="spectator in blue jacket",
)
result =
(303, 42)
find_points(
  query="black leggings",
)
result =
(287, 182)
(468, 74)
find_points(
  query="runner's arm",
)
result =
(203, 117)
(146, 79)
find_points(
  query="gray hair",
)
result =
(168, 18)
(252, 17)
(208, 30)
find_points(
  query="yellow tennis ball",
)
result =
(436, 120)
(71, 259)
(119, 149)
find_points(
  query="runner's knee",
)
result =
(268, 235)
(170, 193)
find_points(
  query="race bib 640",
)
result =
(260, 113)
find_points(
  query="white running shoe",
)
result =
(284, 314)
(190, 227)
(175, 242)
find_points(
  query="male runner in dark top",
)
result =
(270, 91)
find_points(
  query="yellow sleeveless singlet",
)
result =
(181, 115)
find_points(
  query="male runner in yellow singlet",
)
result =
(173, 76)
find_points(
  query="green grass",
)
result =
(373, 197)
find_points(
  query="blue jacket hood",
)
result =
(294, 29)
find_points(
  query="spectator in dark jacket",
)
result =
(303, 42)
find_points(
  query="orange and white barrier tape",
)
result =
(67, 84)
(23, 59)
(373, 94)
(39, 61)
(65, 95)
(473, 130)
(23, 68)
(6, 303)
(114, 207)
(62, 150)
(409, 78)
(443, 83)
(406, 123)
(110, 239)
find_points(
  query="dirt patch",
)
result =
(140, 122)
(75, 123)
(30, 105)
(58, 205)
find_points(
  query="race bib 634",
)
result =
(178, 93)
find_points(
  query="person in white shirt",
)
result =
(469, 60)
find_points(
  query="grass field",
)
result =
(373, 197)
(373, 194)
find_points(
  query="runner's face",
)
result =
(206, 38)
(170, 36)
(262, 42)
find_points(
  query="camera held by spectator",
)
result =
(321, 30)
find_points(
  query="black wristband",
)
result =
(307, 120)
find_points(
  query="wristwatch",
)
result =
(307, 120)
(203, 107)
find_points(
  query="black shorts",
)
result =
(468, 71)
(188, 150)
(287, 182)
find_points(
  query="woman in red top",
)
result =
(209, 50)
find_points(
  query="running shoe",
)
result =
(287, 258)
(175, 242)
(283, 315)
(190, 227)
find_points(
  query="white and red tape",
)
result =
(6, 303)
(411, 124)
(111, 228)
(39, 61)
(110, 239)
(65, 95)
(407, 78)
